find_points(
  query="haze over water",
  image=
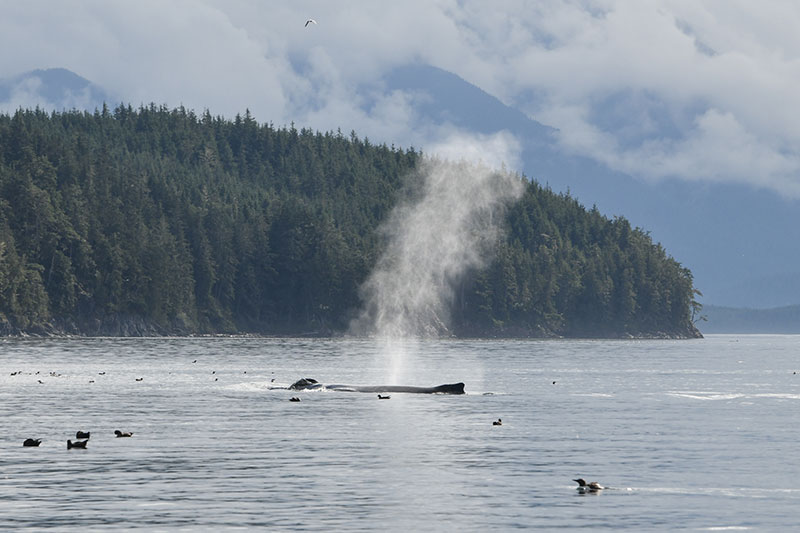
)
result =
(696, 435)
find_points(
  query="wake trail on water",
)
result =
(742, 492)
(714, 395)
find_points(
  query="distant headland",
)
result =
(157, 221)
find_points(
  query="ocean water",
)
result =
(698, 435)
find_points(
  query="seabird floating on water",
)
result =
(32, 442)
(592, 486)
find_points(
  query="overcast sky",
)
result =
(695, 89)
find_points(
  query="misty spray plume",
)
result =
(447, 226)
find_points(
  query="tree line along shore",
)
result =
(159, 221)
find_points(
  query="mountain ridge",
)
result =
(736, 239)
(778, 320)
(52, 88)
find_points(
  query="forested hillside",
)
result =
(158, 221)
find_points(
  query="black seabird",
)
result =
(592, 486)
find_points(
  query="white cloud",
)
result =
(702, 89)
(24, 94)
(721, 73)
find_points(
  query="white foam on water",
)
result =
(712, 395)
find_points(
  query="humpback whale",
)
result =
(311, 384)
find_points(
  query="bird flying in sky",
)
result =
(310, 21)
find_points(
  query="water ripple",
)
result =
(691, 433)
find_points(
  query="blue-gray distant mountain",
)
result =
(742, 244)
(784, 320)
(51, 89)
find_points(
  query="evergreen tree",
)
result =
(201, 224)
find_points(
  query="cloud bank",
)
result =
(689, 89)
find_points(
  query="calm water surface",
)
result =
(693, 435)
